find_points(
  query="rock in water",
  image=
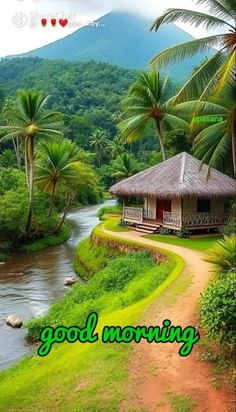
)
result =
(70, 281)
(14, 321)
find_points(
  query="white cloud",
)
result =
(19, 40)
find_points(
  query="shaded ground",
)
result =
(157, 374)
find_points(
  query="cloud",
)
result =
(27, 38)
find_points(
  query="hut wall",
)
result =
(176, 205)
(217, 205)
(151, 203)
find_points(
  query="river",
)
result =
(31, 282)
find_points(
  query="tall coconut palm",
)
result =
(147, 102)
(56, 166)
(125, 166)
(99, 142)
(116, 146)
(28, 118)
(215, 70)
(213, 128)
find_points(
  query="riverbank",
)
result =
(120, 293)
(40, 244)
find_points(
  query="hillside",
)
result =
(122, 39)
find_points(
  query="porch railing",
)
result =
(133, 214)
(172, 219)
(195, 219)
(204, 219)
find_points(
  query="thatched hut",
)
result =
(176, 194)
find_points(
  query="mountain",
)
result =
(122, 39)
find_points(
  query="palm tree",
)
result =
(125, 166)
(214, 136)
(99, 142)
(147, 102)
(215, 70)
(116, 146)
(56, 166)
(28, 118)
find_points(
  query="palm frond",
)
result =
(193, 17)
(183, 51)
(218, 8)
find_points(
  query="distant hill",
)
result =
(122, 39)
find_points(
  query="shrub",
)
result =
(218, 314)
(230, 228)
(223, 254)
(183, 233)
(165, 231)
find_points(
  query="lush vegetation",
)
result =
(119, 292)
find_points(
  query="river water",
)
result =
(31, 282)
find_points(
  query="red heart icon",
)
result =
(44, 22)
(53, 22)
(63, 22)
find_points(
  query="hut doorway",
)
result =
(161, 206)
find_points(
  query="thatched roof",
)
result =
(180, 176)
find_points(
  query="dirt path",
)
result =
(157, 372)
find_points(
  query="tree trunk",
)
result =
(66, 210)
(234, 143)
(17, 151)
(30, 161)
(159, 135)
(52, 199)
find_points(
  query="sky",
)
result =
(21, 29)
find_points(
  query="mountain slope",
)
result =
(122, 39)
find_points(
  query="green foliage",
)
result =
(199, 243)
(183, 233)
(213, 73)
(223, 254)
(217, 312)
(148, 101)
(104, 210)
(8, 159)
(176, 141)
(230, 228)
(49, 241)
(125, 166)
(125, 280)
(13, 204)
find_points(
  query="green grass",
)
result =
(90, 258)
(116, 209)
(90, 377)
(51, 240)
(181, 403)
(196, 243)
(112, 223)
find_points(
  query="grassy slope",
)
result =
(92, 377)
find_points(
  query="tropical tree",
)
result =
(125, 166)
(116, 146)
(213, 128)
(56, 166)
(147, 102)
(28, 119)
(212, 74)
(99, 142)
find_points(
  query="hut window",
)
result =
(203, 205)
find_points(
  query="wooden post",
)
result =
(181, 214)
